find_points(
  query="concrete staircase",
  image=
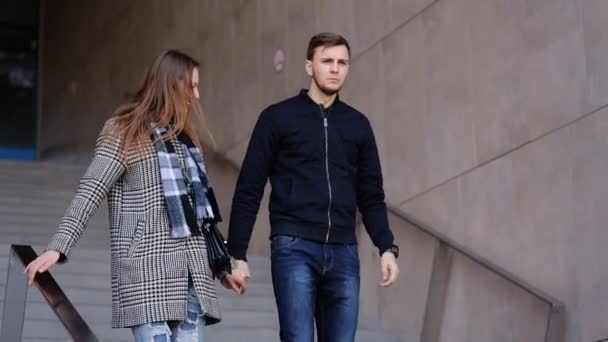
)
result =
(34, 195)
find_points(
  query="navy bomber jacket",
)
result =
(322, 164)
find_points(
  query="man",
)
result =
(322, 161)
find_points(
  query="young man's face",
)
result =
(328, 68)
(195, 83)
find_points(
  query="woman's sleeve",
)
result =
(107, 166)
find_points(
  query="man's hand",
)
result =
(390, 270)
(238, 280)
(243, 267)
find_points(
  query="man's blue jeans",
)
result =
(315, 282)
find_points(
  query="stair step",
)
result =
(40, 329)
(37, 191)
(56, 203)
(85, 242)
(100, 219)
(219, 333)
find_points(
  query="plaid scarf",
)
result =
(179, 183)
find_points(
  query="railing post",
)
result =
(555, 323)
(435, 302)
(15, 295)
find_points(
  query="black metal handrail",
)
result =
(16, 293)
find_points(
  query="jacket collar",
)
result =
(304, 95)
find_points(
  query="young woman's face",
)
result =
(195, 83)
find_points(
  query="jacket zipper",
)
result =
(323, 114)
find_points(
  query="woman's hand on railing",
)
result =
(41, 264)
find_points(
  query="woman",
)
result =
(148, 163)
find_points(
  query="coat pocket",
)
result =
(137, 236)
(154, 268)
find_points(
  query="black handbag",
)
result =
(219, 259)
(217, 250)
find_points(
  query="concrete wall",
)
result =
(509, 160)
(489, 118)
(95, 53)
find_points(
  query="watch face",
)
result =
(395, 251)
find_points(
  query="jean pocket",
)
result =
(281, 242)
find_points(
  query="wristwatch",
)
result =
(395, 250)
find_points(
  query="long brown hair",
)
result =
(166, 98)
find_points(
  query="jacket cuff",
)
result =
(385, 247)
(238, 253)
(62, 244)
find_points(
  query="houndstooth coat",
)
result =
(149, 268)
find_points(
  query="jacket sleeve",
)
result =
(370, 193)
(106, 168)
(252, 179)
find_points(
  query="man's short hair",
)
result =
(325, 39)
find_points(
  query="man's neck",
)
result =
(320, 97)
